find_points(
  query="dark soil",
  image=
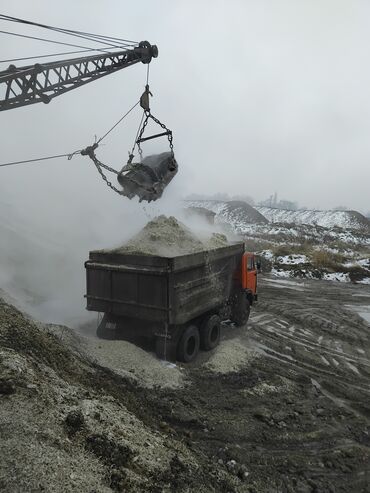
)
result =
(294, 418)
(310, 435)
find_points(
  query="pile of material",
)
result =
(71, 425)
(167, 237)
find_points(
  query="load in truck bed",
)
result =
(168, 299)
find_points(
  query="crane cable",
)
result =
(71, 154)
(108, 41)
(47, 56)
(118, 122)
(41, 159)
(80, 34)
(50, 41)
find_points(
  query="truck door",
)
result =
(250, 273)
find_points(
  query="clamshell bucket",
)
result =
(149, 178)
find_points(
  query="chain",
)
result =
(140, 134)
(99, 165)
(145, 123)
(169, 136)
(89, 151)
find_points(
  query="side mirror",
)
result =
(258, 264)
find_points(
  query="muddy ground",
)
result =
(296, 415)
(281, 406)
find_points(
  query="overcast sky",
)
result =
(263, 96)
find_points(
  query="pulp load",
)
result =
(168, 237)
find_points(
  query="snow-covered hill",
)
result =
(328, 219)
(234, 212)
(329, 245)
(242, 215)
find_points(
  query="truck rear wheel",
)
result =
(210, 333)
(188, 346)
(240, 309)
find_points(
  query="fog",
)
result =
(262, 97)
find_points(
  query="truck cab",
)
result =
(249, 275)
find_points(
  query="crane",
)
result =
(40, 83)
(21, 86)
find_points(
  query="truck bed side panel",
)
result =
(202, 288)
(173, 290)
(131, 294)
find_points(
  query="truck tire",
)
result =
(210, 332)
(241, 309)
(188, 346)
(102, 331)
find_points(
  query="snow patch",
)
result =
(336, 276)
(280, 273)
(365, 280)
(292, 259)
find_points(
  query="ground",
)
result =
(282, 405)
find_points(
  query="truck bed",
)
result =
(161, 289)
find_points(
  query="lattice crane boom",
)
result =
(21, 86)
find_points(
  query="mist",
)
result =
(262, 97)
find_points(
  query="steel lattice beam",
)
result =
(41, 83)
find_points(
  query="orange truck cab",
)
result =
(249, 274)
(245, 285)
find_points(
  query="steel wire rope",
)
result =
(147, 74)
(51, 41)
(46, 56)
(137, 133)
(70, 32)
(118, 122)
(95, 39)
(70, 156)
(142, 116)
(126, 114)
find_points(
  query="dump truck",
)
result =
(176, 303)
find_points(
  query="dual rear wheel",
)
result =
(193, 339)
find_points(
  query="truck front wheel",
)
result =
(188, 346)
(210, 333)
(240, 309)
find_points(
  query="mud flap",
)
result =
(149, 178)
